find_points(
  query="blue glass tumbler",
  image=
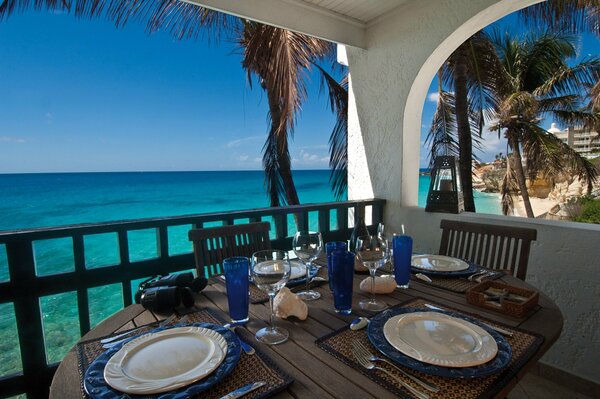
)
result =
(342, 266)
(402, 259)
(237, 270)
(329, 248)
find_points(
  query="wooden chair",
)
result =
(213, 244)
(492, 246)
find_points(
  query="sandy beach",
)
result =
(539, 205)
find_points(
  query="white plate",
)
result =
(438, 263)
(440, 339)
(165, 360)
(298, 269)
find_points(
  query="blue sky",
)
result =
(80, 95)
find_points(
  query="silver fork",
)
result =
(364, 351)
(477, 274)
(487, 274)
(116, 337)
(366, 363)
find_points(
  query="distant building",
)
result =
(578, 139)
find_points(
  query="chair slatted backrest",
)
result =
(492, 246)
(213, 244)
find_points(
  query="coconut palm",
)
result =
(574, 16)
(536, 80)
(471, 72)
(279, 60)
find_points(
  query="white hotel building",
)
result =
(578, 139)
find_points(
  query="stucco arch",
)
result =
(404, 51)
(418, 91)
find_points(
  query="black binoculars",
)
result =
(167, 292)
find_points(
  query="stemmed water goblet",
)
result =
(373, 252)
(270, 271)
(307, 246)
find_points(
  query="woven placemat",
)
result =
(259, 296)
(455, 284)
(258, 367)
(524, 345)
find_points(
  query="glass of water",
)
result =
(270, 271)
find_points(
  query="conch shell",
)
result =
(383, 285)
(288, 304)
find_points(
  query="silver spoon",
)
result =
(247, 348)
(359, 324)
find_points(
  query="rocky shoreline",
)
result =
(551, 199)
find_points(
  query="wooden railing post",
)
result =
(21, 266)
(82, 292)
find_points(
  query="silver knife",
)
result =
(243, 390)
(498, 329)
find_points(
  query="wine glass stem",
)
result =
(372, 272)
(271, 318)
(307, 276)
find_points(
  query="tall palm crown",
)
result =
(535, 80)
(278, 58)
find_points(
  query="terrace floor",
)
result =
(535, 387)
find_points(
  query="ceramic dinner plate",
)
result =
(438, 263)
(440, 339)
(165, 360)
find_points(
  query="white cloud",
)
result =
(314, 147)
(491, 145)
(8, 139)
(49, 118)
(242, 141)
(243, 158)
(433, 97)
(310, 160)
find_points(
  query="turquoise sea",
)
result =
(42, 200)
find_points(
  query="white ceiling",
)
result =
(363, 11)
(341, 21)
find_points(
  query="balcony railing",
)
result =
(25, 286)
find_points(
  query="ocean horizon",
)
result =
(36, 200)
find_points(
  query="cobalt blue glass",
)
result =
(402, 258)
(342, 266)
(237, 272)
(329, 248)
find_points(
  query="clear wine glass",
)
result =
(307, 246)
(373, 252)
(270, 271)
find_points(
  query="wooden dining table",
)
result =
(316, 373)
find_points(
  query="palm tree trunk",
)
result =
(518, 166)
(277, 143)
(465, 144)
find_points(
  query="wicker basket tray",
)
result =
(476, 296)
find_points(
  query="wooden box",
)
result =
(476, 296)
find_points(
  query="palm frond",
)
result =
(10, 7)
(280, 59)
(338, 141)
(569, 80)
(583, 118)
(273, 181)
(557, 103)
(564, 15)
(548, 154)
(542, 55)
(442, 133)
